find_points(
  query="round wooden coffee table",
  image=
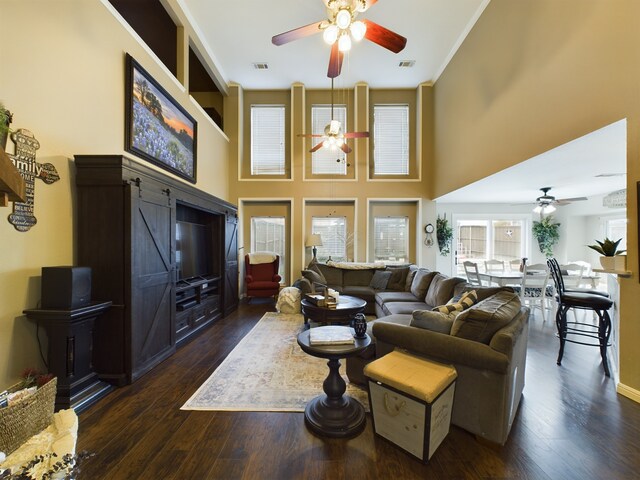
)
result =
(334, 414)
(345, 311)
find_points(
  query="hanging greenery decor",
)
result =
(444, 234)
(547, 234)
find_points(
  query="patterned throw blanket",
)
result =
(355, 265)
(261, 257)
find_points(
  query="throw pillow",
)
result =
(434, 321)
(398, 278)
(483, 320)
(313, 276)
(420, 284)
(380, 279)
(466, 300)
(409, 279)
(314, 267)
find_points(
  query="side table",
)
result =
(334, 414)
(70, 334)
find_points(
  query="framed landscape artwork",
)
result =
(158, 129)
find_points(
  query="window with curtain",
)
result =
(268, 235)
(267, 139)
(333, 231)
(391, 139)
(391, 241)
(327, 161)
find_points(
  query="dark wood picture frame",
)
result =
(157, 128)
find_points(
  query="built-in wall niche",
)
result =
(203, 89)
(151, 21)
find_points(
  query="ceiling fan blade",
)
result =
(310, 135)
(357, 135)
(296, 33)
(384, 37)
(564, 201)
(317, 147)
(335, 61)
(345, 148)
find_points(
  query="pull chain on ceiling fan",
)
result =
(333, 136)
(339, 29)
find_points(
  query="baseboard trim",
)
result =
(628, 392)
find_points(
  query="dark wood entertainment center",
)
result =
(127, 214)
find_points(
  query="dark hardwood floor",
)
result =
(571, 425)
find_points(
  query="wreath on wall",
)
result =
(444, 233)
(547, 233)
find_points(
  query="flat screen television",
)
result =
(193, 250)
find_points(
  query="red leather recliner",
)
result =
(262, 279)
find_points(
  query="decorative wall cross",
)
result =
(24, 160)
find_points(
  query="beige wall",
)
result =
(62, 76)
(535, 74)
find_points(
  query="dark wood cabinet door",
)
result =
(152, 286)
(231, 263)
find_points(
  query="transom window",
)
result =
(391, 139)
(333, 231)
(391, 239)
(268, 235)
(267, 139)
(327, 161)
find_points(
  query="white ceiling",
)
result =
(238, 33)
(570, 169)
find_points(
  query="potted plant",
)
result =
(547, 233)
(612, 258)
(444, 233)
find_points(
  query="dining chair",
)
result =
(494, 266)
(473, 276)
(534, 288)
(577, 332)
(572, 274)
(514, 265)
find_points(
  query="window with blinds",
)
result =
(268, 235)
(391, 139)
(267, 140)
(333, 231)
(391, 239)
(327, 161)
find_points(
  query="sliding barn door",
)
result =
(231, 264)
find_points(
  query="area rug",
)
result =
(268, 372)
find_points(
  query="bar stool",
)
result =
(585, 300)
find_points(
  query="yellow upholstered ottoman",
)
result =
(411, 399)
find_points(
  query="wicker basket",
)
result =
(27, 417)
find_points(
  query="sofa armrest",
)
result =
(441, 347)
(248, 278)
(276, 278)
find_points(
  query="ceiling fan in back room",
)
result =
(333, 137)
(547, 203)
(340, 27)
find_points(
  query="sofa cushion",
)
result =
(420, 284)
(380, 279)
(458, 305)
(398, 278)
(332, 275)
(392, 308)
(441, 289)
(384, 297)
(409, 280)
(432, 320)
(361, 278)
(483, 320)
(482, 292)
(367, 293)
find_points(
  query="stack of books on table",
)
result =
(333, 335)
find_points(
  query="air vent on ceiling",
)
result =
(407, 63)
(605, 175)
(261, 66)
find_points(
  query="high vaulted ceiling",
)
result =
(238, 34)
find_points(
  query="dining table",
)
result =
(515, 278)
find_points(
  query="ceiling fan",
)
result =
(547, 203)
(340, 27)
(333, 136)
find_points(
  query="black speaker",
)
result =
(65, 288)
